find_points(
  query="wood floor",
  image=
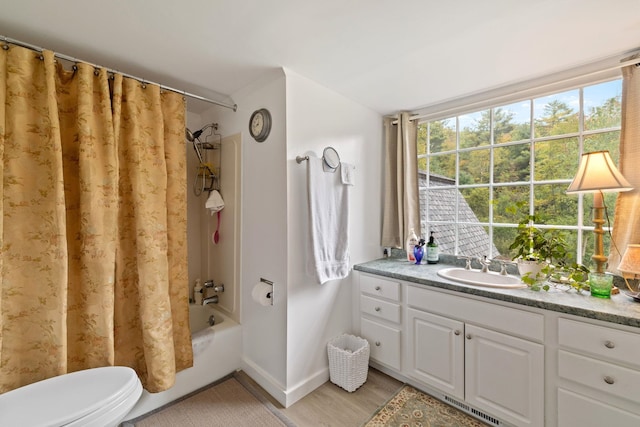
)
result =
(331, 406)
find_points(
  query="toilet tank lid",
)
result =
(60, 400)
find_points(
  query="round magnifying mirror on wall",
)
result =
(331, 158)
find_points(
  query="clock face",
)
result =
(260, 124)
(257, 123)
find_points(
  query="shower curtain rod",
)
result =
(233, 107)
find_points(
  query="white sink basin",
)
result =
(478, 278)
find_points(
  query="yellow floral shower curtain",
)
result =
(93, 224)
(152, 237)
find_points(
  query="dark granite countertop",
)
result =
(620, 309)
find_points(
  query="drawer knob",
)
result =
(377, 343)
(468, 336)
(609, 380)
(609, 344)
(378, 288)
(377, 309)
(456, 332)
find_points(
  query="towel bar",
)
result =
(301, 159)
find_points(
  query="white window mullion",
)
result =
(532, 159)
(491, 164)
(579, 237)
(456, 226)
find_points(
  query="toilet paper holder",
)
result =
(270, 294)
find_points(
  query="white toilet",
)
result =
(98, 397)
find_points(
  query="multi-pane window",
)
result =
(473, 167)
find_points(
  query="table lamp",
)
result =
(630, 268)
(597, 174)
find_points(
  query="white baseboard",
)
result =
(264, 380)
(307, 386)
(285, 397)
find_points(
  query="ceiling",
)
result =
(387, 55)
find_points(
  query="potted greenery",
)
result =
(544, 254)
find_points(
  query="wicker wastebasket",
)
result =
(348, 361)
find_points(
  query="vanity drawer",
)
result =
(383, 341)
(612, 344)
(380, 287)
(383, 309)
(603, 376)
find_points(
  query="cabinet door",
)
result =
(437, 351)
(504, 376)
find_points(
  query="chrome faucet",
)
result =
(485, 264)
(210, 300)
(209, 284)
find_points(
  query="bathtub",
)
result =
(216, 353)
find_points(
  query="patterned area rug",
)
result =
(412, 408)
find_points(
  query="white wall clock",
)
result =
(260, 124)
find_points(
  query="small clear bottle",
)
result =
(412, 241)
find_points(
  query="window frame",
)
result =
(491, 103)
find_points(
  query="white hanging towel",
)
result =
(214, 202)
(348, 173)
(329, 221)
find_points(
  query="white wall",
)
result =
(284, 346)
(263, 230)
(316, 118)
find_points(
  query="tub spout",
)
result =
(210, 300)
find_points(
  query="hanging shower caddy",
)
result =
(206, 178)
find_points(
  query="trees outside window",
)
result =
(528, 152)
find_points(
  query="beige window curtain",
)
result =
(401, 210)
(626, 229)
(93, 266)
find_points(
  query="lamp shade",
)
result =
(597, 172)
(630, 262)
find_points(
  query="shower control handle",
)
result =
(211, 285)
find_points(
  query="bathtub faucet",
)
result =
(210, 284)
(210, 300)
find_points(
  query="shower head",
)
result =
(192, 136)
(200, 145)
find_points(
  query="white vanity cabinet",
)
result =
(488, 355)
(509, 363)
(599, 375)
(381, 318)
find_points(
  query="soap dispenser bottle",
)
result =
(432, 250)
(412, 241)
